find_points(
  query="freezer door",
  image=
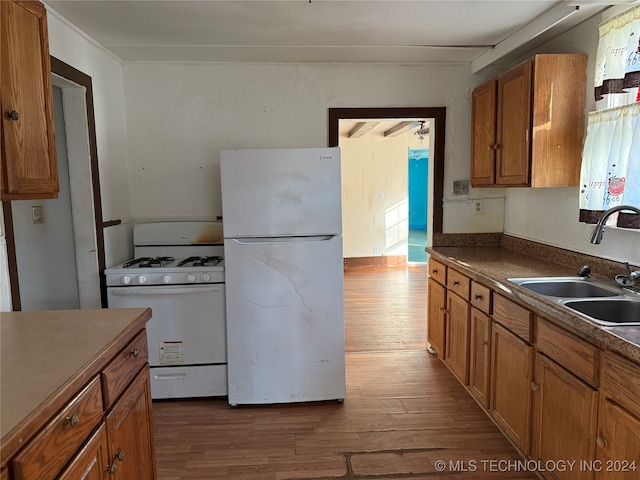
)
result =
(285, 320)
(270, 193)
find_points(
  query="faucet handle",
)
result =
(584, 271)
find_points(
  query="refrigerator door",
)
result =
(281, 192)
(285, 320)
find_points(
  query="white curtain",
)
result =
(610, 173)
(617, 68)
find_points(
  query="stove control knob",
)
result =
(190, 277)
(205, 277)
(141, 279)
(166, 279)
(125, 280)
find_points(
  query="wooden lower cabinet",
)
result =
(618, 438)
(436, 316)
(480, 356)
(131, 444)
(457, 337)
(92, 462)
(510, 395)
(618, 444)
(564, 419)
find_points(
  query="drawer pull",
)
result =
(601, 442)
(134, 353)
(477, 296)
(435, 270)
(73, 420)
(456, 282)
(485, 344)
(534, 386)
(112, 468)
(119, 455)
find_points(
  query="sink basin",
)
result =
(565, 287)
(612, 311)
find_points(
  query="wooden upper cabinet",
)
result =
(483, 134)
(29, 165)
(539, 112)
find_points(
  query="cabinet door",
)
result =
(618, 443)
(29, 167)
(436, 316)
(514, 126)
(92, 462)
(130, 431)
(480, 356)
(564, 418)
(511, 375)
(483, 134)
(457, 335)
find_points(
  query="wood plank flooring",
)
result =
(404, 410)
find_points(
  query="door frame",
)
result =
(438, 127)
(88, 223)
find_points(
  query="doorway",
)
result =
(86, 225)
(418, 179)
(393, 221)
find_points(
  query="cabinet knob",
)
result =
(477, 297)
(485, 344)
(134, 353)
(456, 282)
(601, 442)
(13, 115)
(119, 455)
(534, 386)
(112, 468)
(73, 420)
(435, 270)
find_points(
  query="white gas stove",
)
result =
(178, 271)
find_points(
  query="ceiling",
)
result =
(327, 31)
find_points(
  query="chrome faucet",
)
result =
(598, 231)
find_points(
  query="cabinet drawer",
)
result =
(46, 455)
(458, 283)
(124, 367)
(621, 381)
(513, 316)
(438, 271)
(579, 357)
(481, 297)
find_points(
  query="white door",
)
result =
(280, 192)
(285, 320)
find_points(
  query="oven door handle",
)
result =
(162, 291)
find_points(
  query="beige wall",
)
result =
(373, 167)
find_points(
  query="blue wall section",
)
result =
(418, 186)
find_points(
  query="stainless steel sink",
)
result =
(611, 311)
(566, 287)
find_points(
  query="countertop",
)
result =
(492, 266)
(48, 355)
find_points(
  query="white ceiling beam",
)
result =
(361, 129)
(532, 30)
(400, 128)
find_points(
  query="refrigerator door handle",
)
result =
(263, 240)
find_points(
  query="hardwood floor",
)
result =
(404, 410)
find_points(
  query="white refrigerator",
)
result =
(282, 222)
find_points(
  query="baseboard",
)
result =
(378, 261)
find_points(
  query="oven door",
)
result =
(188, 323)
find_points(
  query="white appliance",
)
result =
(282, 212)
(178, 271)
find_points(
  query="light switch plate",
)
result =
(461, 187)
(37, 214)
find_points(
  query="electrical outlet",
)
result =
(380, 194)
(461, 187)
(478, 207)
(376, 249)
(37, 214)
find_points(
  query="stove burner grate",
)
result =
(201, 261)
(144, 262)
